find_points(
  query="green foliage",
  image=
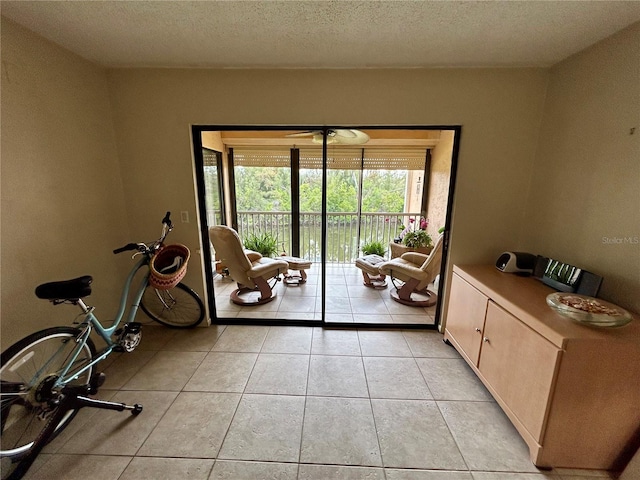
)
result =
(310, 190)
(263, 243)
(383, 191)
(263, 189)
(342, 191)
(211, 181)
(374, 248)
(417, 239)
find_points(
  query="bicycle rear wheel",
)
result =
(178, 307)
(28, 370)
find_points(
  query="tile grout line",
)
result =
(453, 437)
(373, 416)
(304, 406)
(314, 333)
(217, 454)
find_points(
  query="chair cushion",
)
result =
(267, 268)
(402, 269)
(370, 263)
(296, 263)
(252, 256)
(372, 259)
(418, 259)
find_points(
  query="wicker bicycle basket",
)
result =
(168, 266)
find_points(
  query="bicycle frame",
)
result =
(48, 394)
(91, 322)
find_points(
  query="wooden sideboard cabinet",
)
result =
(572, 391)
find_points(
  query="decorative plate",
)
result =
(588, 310)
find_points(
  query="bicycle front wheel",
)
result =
(178, 307)
(28, 372)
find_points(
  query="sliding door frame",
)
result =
(196, 132)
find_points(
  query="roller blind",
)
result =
(337, 158)
(209, 158)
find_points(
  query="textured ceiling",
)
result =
(323, 34)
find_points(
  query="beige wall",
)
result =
(586, 185)
(439, 182)
(61, 101)
(63, 209)
(499, 110)
(65, 197)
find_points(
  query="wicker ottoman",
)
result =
(370, 273)
(299, 265)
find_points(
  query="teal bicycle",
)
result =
(45, 377)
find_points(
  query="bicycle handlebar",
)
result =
(167, 226)
(167, 221)
(127, 247)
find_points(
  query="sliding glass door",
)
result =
(319, 207)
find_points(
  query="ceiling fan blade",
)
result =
(339, 135)
(308, 133)
(343, 132)
(330, 139)
(351, 137)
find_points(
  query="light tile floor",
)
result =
(260, 402)
(347, 300)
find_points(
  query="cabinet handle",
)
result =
(478, 330)
(485, 339)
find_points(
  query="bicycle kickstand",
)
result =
(96, 381)
(72, 398)
(81, 401)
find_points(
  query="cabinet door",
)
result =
(465, 317)
(520, 365)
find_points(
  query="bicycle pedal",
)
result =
(129, 337)
(97, 380)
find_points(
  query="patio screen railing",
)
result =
(346, 232)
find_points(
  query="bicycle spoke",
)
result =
(178, 307)
(29, 373)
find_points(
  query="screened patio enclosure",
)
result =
(370, 194)
(322, 204)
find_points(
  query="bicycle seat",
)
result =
(65, 290)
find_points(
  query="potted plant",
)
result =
(263, 243)
(413, 239)
(417, 239)
(374, 248)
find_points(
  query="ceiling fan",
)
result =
(338, 135)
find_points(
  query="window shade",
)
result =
(338, 158)
(209, 158)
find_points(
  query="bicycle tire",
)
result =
(33, 363)
(178, 307)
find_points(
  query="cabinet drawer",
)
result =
(520, 365)
(465, 317)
